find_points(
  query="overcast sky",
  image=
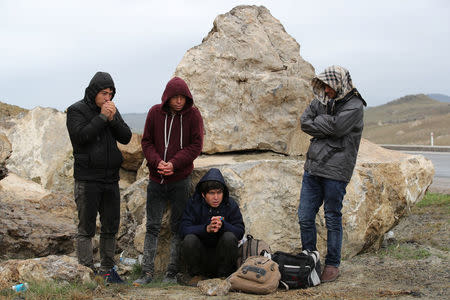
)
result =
(50, 49)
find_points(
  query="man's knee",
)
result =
(153, 227)
(191, 242)
(306, 218)
(228, 239)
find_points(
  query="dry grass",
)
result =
(408, 120)
(8, 110)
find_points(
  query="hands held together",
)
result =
(215, 225)
(165, 169)
(109, 110)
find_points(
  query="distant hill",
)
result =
(135, 121)
(9, 110)
(439, 97)
(408, 120)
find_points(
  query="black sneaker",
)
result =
(112, 277)
(145, 279)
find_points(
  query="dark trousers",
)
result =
(158, 196)
(104, 198)
(219, 261)
(315, 191)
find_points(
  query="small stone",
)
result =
(214, 287)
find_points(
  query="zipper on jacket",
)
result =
(107, 153)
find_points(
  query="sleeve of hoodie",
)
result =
(148, 144)
(341, 124)
(189, 225)
(233, 221)
(186, 156)
(120, 129)
(81, 129)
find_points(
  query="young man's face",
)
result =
(176, 103)
(103, 96)
(213, 197)
(331, 93)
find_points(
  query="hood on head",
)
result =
(176, 86)
(338, 78)
(100, 81)
(213, 175)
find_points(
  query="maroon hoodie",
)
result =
(186, 134)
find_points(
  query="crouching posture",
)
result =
(211, 227)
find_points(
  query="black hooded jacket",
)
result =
(94, 140)
(198, 213)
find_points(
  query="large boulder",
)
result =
(267, 187)
(33, 221)
(58, 268)
(41, 149)
(250, 84)
(132, 153)
(384, 184)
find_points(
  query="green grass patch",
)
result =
(52, 290)
(434, 200)
(57, 290)
(404, 252)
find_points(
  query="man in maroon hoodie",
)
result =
(173, 138)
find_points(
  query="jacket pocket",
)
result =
(321, 150)
(81, 160)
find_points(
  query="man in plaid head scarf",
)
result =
(335, 121)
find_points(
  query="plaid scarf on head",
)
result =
(338, 78)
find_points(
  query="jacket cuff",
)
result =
(103, 117)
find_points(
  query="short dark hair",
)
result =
(206, 186)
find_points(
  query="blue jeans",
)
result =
(315, 191)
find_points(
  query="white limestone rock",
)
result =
(250, 84)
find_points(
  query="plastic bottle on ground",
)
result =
(20, 287)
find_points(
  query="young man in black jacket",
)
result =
(95, 126)
(211, 227)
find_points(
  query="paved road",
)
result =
(441, 162)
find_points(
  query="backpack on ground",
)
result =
(252, 247)
(298, 270)
(257, 275)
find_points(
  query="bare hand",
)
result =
(111, 107)
(105, 111)
(165, 169)
(215, 225)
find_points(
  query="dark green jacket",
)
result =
(94, 140)
(336, 136)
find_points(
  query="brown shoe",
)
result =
(329, 274)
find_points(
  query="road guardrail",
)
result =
(416, 148)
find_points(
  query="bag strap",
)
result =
(284, 285)
(249, 244)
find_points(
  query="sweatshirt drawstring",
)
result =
(181, 133)
(167, 137)
(166, 140)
